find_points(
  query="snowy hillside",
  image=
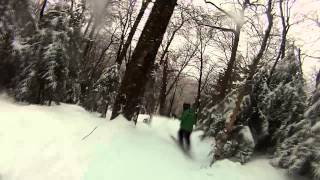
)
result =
(46, 143)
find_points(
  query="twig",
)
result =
(216, 27)
(220, 9)
(89, 133)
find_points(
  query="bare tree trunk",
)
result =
(71, 7)
(299, 59)
(125, 47)
(163, 90)
(198, 100)
(105, 109)
(225, 86)
(172, 100)
(43, 8)
(226, 78)
(246, 87)
(282, 50)
(88, 45)
(143, 58)
(318, 79)
(200, 75)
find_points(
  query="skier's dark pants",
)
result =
(184, 136)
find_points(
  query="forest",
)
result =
(249, 69)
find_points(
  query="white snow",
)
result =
(246, 133)
(45, 143)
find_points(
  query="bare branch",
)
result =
(313, 57)
(217, 27)
(220, 9)
(315, 20)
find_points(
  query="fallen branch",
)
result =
(89, 133)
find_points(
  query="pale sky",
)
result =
(305, 34)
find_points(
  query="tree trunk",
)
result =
(318, 79)
(88, 45)
(43, 8)
(198, 100)
(197, 108)
(71, 8)
(225, 86)
(281, 53)
(105, 109)
(163, 90)
(125, 47)
(299, 59)
(143, 58)
(246, 87)
(172, 100)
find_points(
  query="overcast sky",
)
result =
(306, 34)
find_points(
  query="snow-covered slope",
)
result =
(46, 143)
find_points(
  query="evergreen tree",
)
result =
(285, 103)
(16, 25)
(241, 144)
(300, 151)
(264, 114)
(106, 88)
(73, 48)
(7, 65)
(45, 69)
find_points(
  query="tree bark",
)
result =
(200, 74)
(163, 90)
(43, 8)
(198, 100)
(225, 86)
(143, 58)
(285, 28)
(318, 79)
(88, 45)
(245, 89)
(172, 100)
(253, 68)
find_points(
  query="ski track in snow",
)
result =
(45, 143)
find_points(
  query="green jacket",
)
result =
(188, 119)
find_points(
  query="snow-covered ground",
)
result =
(46, 143)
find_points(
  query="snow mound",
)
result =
(67, 143)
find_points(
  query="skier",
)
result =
(188, 119)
